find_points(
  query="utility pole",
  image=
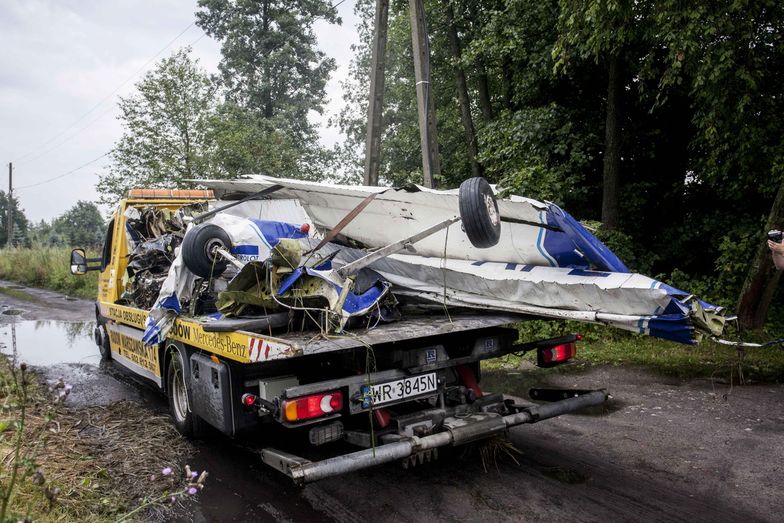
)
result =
(376, 102)
(10, 212)
(428, 137)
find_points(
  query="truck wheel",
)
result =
(102, 340)
(177, 382)
(198, 250)
(479, 212)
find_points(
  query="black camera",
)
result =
(775, 236)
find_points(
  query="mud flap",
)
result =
(211, 390)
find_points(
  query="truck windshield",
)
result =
(106, 254)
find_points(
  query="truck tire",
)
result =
(198, 250)
(479, 212)
(102, 340)
(178, 388)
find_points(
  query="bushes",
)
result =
(47, 267)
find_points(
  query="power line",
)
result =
(66, 173)
(94, 107)
(97, 118)
(203, 34)
(70, 136)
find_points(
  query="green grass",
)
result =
(48, 268)
(607, 346)
(104, 459)
(18, 294)
(704, 359)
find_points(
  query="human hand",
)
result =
(776, 248)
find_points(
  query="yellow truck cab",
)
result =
(116, 342)
(398, 391)
(120, 326)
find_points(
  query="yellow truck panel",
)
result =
(240, 346)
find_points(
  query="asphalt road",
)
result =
(662, 450)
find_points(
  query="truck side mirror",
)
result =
(79, 263)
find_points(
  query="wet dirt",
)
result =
(65, 349)
(664, 449)
(42, 304)
(241, 488)
(674, 451)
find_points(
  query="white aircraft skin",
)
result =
(519, 274)
(398, 213)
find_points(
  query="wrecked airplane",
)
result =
(347, 255)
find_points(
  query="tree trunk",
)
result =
(269, 110)
(376, 99)
(508, 80)
(762, 278)
(483, 85)
(431, 165)
(187, 146)
(611, 177)
(462, 92)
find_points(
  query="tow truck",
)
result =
(395, 391)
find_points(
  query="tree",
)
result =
(400, 141)
(466, 118)
(730, 56)
(270, 63)
(272, 76)
(167, 137)
(42, 233)
(602, 30)
(19, 237)
(541, 133)
(246, 144)
(680, 97)
(82, 225)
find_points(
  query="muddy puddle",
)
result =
(66, 350)
(44, 343)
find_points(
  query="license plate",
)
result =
(403, 388)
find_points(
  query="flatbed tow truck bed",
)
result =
(253, 347)
(410, 328)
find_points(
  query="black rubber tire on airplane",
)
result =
(479, 212)
(198, 250)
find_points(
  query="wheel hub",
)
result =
(492, 211)
(212, 248)
(179, 394)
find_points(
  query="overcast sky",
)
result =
(64, 62)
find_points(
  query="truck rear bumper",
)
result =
(458, 431)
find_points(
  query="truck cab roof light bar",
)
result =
(174, 194)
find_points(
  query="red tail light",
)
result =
(556, 355)
(313, 406)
